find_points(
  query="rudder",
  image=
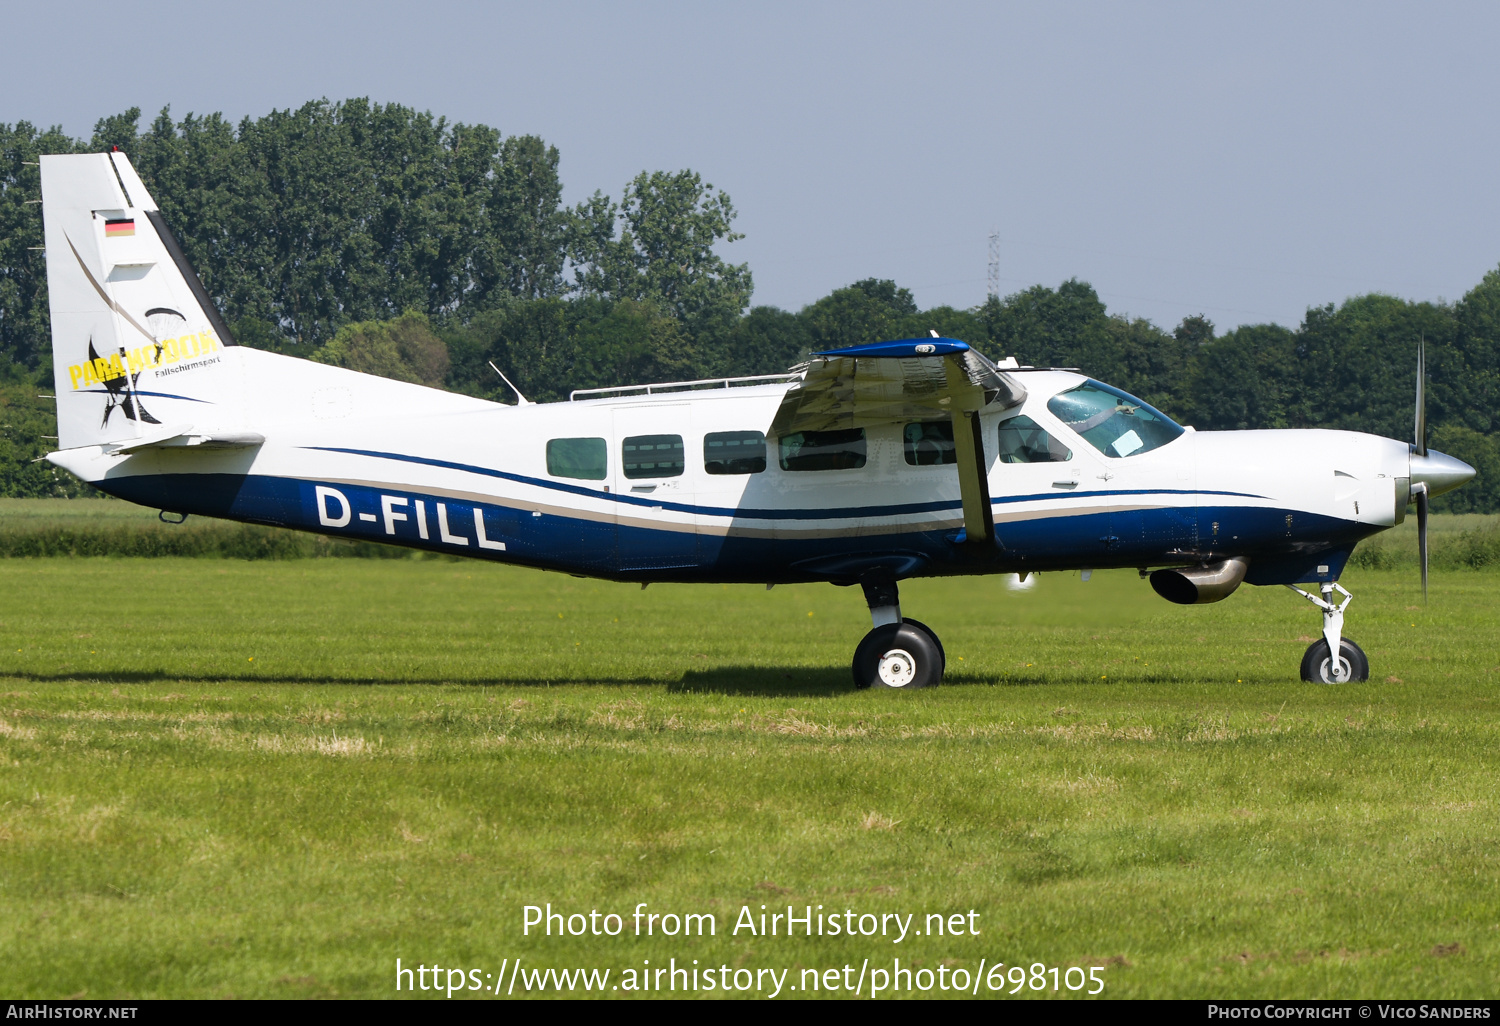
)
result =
(138, 348)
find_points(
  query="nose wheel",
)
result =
(897, 653)
(1319, 666)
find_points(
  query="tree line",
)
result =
(392, 241)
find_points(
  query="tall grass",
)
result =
(1454, 543)
(214, 539)
(103, 527)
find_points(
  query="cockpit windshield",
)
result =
(1114, 422)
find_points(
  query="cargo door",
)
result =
(655, 526)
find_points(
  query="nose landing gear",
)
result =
(1319, 665)
(897, 653)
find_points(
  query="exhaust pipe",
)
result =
(1191, 585)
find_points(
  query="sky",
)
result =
(1242, 161)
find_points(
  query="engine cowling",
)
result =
(1193, 585)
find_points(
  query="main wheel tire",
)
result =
(942, 654)
(897, 656)
(1317, 668)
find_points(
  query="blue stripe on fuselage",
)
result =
(133, 391)
(1152, 537)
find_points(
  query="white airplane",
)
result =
(867, 465)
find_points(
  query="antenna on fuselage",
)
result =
(521, 400)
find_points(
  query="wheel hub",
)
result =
(1336, 671)
(897, 668)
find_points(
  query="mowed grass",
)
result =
(273, 779)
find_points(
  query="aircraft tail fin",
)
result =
(138, 348)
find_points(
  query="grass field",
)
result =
(221, 777)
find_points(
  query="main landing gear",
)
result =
(897, 653)
(1318, 664)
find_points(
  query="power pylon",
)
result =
(993, 285)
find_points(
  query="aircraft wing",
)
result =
(904, 381)
(894, 382)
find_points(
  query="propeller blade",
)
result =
(1422, 535)
(1420, 428)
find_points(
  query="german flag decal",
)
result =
(119, 228)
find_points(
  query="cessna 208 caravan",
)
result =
(867, 465)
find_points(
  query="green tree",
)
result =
(190, 169)
(404, 349)
(117, 130)
(1357, 363)
(25, 334)
(1480, 451)
(947, 321)
(528, 340)
(527, 235)
(1194, 333)
(549, 347)
(627, 342)
(767, 340)
(302, 221)
(28, 428)
(1063, 327)
(1148, 362)
(1246, 378)
(871, 310)
(1468, 389)
(664, 253)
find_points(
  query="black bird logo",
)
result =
(121, 391)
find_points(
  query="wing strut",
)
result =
(973, 482)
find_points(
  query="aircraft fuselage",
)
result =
(478, 482)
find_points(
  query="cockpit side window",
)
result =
(1023, 440)
(1114, 422)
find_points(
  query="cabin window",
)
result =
(823, 450)
(734, 452)
(1112, 421)
(582, 458)
(644, 456)
(1023, 440)
(929, 444)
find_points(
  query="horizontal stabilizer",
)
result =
(187, 438)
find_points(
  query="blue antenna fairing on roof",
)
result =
(903, 348)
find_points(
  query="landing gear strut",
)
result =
(1318, 663)
(897, 653)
